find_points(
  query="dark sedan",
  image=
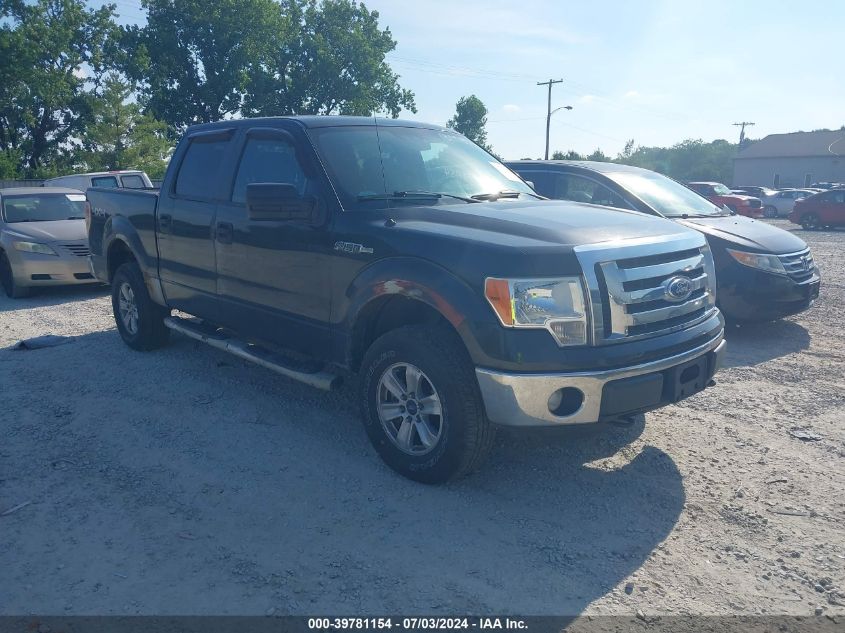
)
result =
(762, 272)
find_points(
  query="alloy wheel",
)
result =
(409, 409)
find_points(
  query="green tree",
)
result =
(328, 58)
(688, 160)
(470, 120)
(570, 155)
(599, 156)
(197, 61)
(627, 152)
(193, 59)
(121, 136)
(52, 54)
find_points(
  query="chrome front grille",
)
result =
(78, 249)
(641, 288)
(799, 266)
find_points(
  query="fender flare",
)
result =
(416, 279)
(119, 229)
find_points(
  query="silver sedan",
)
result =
(780, 203)
(43, 241)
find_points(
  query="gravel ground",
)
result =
(185, 481)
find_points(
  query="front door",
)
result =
(273, 277)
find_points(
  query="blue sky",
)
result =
(656, 71)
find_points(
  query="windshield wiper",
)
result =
(412, 195)
(505, 193)
(76, 217)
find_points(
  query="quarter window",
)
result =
(132, 182)
(104, 181)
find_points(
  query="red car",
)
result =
(720, 195)
(823, 209)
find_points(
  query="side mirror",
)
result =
(279, 201)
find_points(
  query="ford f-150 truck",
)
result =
(329, 247)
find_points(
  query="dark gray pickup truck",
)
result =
(324, 247)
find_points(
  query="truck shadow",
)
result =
(756, 343)
(51, 296)
(275, 485)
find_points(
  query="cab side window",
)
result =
(104, 181)
(268, 160)
(580, 189)
(197, 178)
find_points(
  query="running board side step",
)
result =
(254, 354)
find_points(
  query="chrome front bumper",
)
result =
(523, 399)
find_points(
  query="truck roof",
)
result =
(316, 121)
(593, 165)
(99, 173)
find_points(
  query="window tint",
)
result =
(268, 160)
(351, 156)
(544, 182)
(104, 181)
(197, 175)
(581, 189)
(132, 182)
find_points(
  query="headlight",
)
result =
(769, 263)
(557, 305)
(35, 247)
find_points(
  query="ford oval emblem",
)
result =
(678, 288)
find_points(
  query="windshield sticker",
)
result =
(507, 173)
(75, 197)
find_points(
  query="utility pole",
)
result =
(549, 83)
(742, 125)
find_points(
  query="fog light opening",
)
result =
(565, 402)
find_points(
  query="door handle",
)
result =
(225, 232)
(164, 223)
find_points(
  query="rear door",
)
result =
(185, 218)
(832, 208)
(273, 276)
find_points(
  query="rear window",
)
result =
(104, 181)
(198, 172)
(133, 182)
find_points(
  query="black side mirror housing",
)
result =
(281, 202)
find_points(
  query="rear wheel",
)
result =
(421, 404)
(139, 319)
(810, 222)
(12, 289)
(770, 212)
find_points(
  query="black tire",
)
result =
(149, 331)
(809, 221)
(770, 212)
(7, 280)
(465, 435)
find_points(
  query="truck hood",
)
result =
(748, 233)
(534, 223)
(54, 231)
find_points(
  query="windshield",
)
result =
(664, 195)
(721, 190)
(366, 162)
(44, 207)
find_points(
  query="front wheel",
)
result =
(770, 212)
(12, 289)
(810, 222)
(139, 319)
(421, 404)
